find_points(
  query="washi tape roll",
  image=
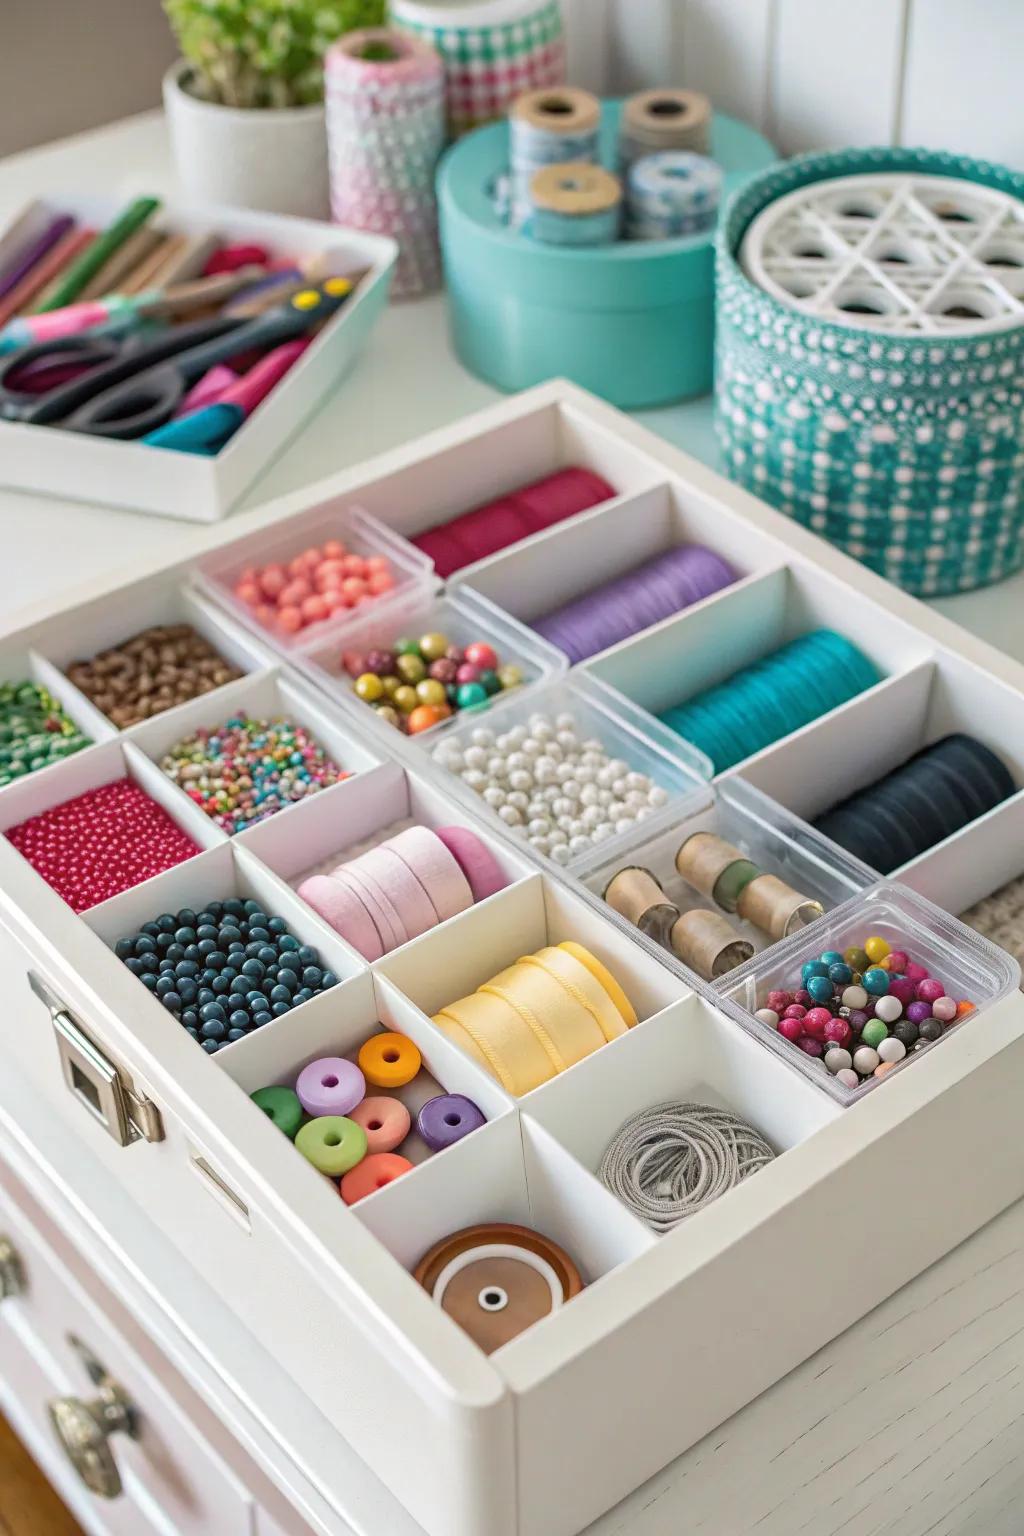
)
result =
(549, 127)
(384, 94)
(671, 194)
(574, 204)
(664, 119)
(492, 51)
(870, 344)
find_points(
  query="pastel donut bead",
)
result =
(386, 1122)
(373, 1173)
(446, 1119)
(413, 903)
(330, 1086)
(475, 859)
(332, 1143)
(389, 1060)
(437, 870)
(281, 1105)
(339, 906)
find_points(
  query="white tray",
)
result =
(671, 1335)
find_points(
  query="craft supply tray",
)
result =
(186, 485)
(673, 1334)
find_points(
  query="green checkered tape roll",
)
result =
(906, 451)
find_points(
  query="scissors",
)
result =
(126, 386)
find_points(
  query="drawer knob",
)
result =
(84, 1431)
(12, 1271)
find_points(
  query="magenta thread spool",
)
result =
(445, 1120)
(330, 1086)
(633, 602)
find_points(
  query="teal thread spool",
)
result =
(894, 430)
(578, 205)
(633, 321)
(775, 696)
(550, 127)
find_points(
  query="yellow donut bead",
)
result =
(876, 949)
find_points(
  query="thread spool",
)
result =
(933, 795)
(549, 127)
(671, 195)
(737, 885)
(498, 524)
(493, 50)
(630, 603)
(777, 695)
(890, 276)
(574, 204)
(384, 96)
(635, 894)
(664, 119)
(774, 907)
(708, 943)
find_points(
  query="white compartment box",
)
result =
(185, 485)
(671, 1335)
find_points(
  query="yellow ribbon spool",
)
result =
(539, 1016)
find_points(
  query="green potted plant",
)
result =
(245, 102)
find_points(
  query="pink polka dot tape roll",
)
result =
(404, 887)
(384, 94)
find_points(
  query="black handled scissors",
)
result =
(126, 386)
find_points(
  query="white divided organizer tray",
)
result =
(673, 1334)
(196, 487)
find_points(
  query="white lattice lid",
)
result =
(929, 255)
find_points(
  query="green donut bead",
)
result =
(332, 1143)
(282, 1106)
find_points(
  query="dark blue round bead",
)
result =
(250, 906)
(123, 948)
(254, 968)
(328, 979)
(145, 945)
(186, 917)
(206, 947)
(312, 976)
(150, 930)
(290, 961)
(172, 1001)
(192, 952)
(149, 979)
(263, 1017)
(186, 934)
(230, 933)
(207, 931)
(308, 955)
(236, 1034)
(214, 1029)
(176, 952)
(163, 942)
(166, 968)
(210, 1046)
(280, 1009)
(186, 989)
(136, 965)
(277, 925)
(234, 908)
(205, 919)
(207, 994)
(216, 961)
(166, 922)
(214, 1010)
(164, 984)
(216, 908)
(268, 954)
(187, 968)
(281, 995)
(257, 1002)
(220, 986)
(190, 1029)
(190, 1018)
(238, 1019)
(287, 942)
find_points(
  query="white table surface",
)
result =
(407, 383)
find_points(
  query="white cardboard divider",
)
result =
(567, 561)
(692, 1054)
(460, 956)
(75, 704)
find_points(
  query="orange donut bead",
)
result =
(964, 1008)
(371, 1174)
(386, 1121)
(389, 1061)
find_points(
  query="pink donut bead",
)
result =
(330, 1086)
(930, 990)
(386, 1122)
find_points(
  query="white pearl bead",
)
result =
(891, 1049)
(562, 806)
(619, 788)
(542, 844)
(602, 832)
(560, 853)
(565, 822)
(476, 757)
(768, 1016)
(855, 997)
(619, 768)
(865, 1060)
(518, 799)
(520, 780)
(888, 1009)
(576, 829)
(510, 816)
(551, 793)
(545, 770)
(657, 796)
(539, 827)
(540, 729)
(838, 1060)
(532, 747)
(494, 797)
(637, 780)
(592, 816)
(482, 737)
(516, 760)
(848, 1078)
(565, 721)
(564, 772)
(517, 735)
(580, 844)
(624, 824)
(451, 758)
(474, 779)
(636, 797)
(496, 767)
(589, 795)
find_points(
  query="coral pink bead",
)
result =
(273, 581)
(780, 1000)
(816, 1022)
(377, 563)
(290, 620)
(803, 997)
(249, 593)
(791, 1029)
(916, 972)
(353, 588)
(480, 654)
(334, 549)
(944, 1008)
(354, 565)
(794, 1011)
(296, 592)
(314, 609)
(379, 582)
(467, 673)
(839, 1031)
(929, 991)
(898, 960)
(102, 842)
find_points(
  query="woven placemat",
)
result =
(1000, 917)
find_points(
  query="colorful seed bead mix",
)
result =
(344, 1117)
(246, 770)
(419, 683)
(101, 843)
(224, 971)
(863, 1010)
(34, 731)
(323, 580)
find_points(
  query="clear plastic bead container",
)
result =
(970, 967)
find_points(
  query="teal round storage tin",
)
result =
(633, 321)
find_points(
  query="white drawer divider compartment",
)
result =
(571, 559)
(849, 752)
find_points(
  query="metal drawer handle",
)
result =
(84, 1429)
(12, 1271)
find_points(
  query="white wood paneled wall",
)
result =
(816, 74)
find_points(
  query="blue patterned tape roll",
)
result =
(898, 436)
(671, 194)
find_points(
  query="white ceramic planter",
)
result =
(274, 160)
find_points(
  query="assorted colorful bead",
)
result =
(224, 971)
(100, 843)
(863, 1010)
(419, 683)
(349, 1131)
(246, 770)
(34, 731)
(323, 580)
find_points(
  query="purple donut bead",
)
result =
(330, 1086)
(445, 1120)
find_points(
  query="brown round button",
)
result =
(496, 1280)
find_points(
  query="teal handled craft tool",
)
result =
(207, 430)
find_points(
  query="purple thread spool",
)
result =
(330, 1086)
(445, 1120)
(642, 597)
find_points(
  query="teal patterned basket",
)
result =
(904, 450)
